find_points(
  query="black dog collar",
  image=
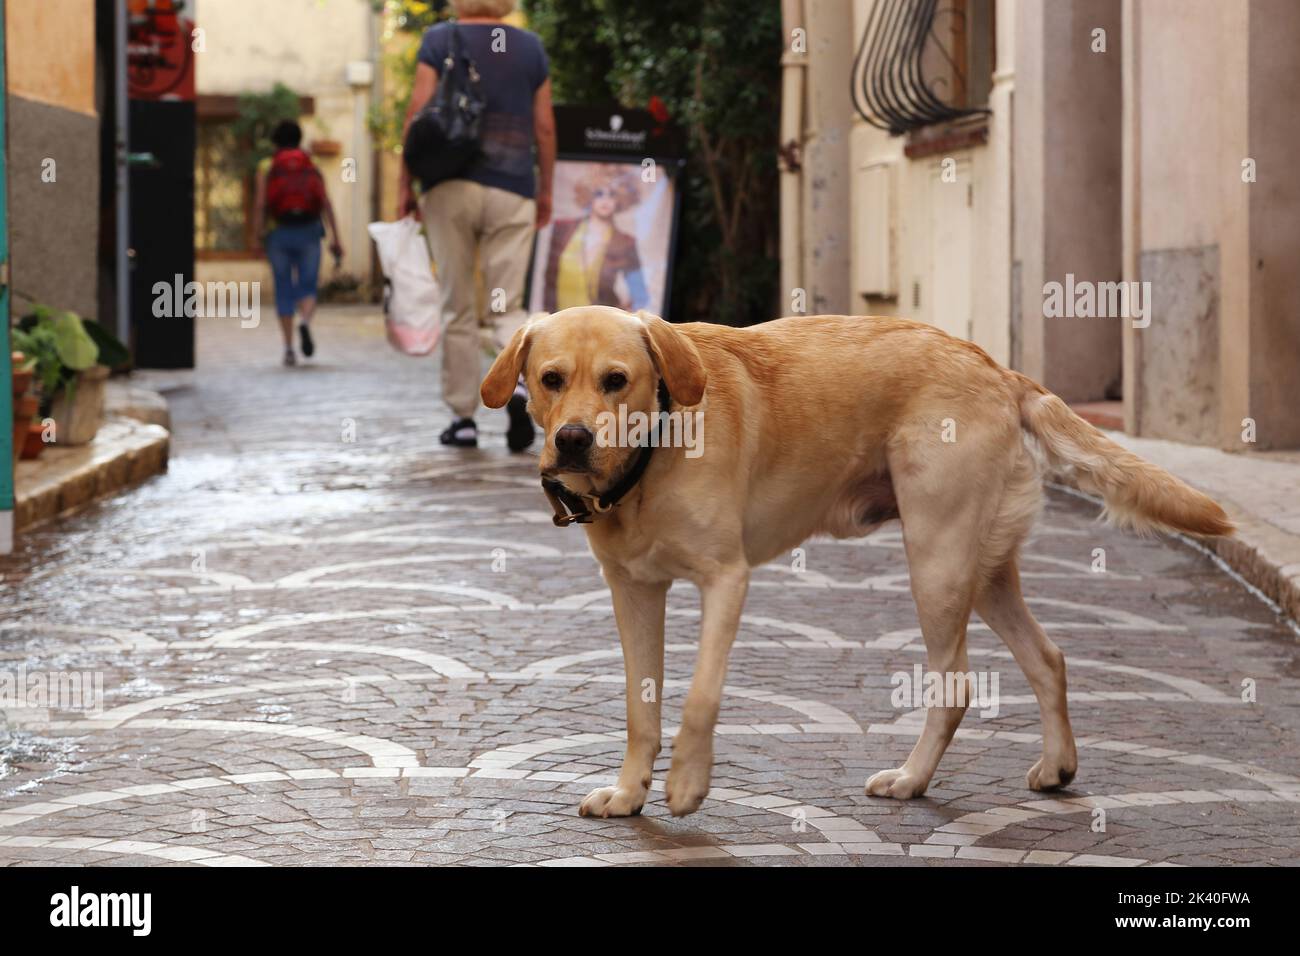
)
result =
(571, 507)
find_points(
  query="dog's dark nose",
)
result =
(573, 440)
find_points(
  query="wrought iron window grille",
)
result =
(895, 83)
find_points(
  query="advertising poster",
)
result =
(611, 236)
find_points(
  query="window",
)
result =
(223, 193)
(224, 179)
(922, 62)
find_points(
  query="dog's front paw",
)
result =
(613, 802)
(688, 778)
(686, 789)
(1052, 773)
(898, 784)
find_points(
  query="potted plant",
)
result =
(71, 361)
(25, 406)
(342, 287)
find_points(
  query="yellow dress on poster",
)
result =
(579, 277)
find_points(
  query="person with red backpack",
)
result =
(291, 190)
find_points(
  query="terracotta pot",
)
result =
(33, 442)
(25, 408)
(77, 421)
(22, 381)
(22, 377)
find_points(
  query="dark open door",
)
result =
(162, 140)
(161, 117)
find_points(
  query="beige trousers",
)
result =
(465, 221)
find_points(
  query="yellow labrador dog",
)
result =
(826, 425)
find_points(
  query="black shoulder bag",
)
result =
(443, 139)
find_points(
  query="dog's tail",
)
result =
(1138, 494)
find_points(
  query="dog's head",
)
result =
(580, 366)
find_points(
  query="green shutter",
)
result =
(6, 370)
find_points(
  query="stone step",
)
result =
(123, 453)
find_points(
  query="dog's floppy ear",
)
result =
(499, 384)
(676, 359)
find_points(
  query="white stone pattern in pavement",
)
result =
(417, 667)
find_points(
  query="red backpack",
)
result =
(295, 190)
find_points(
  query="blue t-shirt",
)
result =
(511, 66)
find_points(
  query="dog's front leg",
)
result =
(723, 598)
(639, 610)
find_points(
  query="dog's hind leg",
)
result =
(639, 610)
(943, 591)
(948, 495)
(1000, 604)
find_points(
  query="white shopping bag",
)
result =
(411, 314)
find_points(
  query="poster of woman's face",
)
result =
(608, 242)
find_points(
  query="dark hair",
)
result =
(286, 135)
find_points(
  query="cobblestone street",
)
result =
(325, 639)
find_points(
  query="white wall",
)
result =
(948, 242)
(1211, 85)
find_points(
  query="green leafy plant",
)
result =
(259, 114)
(407, 19)
(41, 350)
(59, 344)
(111, 350)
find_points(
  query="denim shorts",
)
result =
(294, 253)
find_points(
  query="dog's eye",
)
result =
(615, 381)
(552, 380)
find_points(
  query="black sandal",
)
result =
(461, 433)
(520, 434)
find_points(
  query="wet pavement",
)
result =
(324, 639)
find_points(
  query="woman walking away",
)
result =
(291, 191)
(489, 210)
